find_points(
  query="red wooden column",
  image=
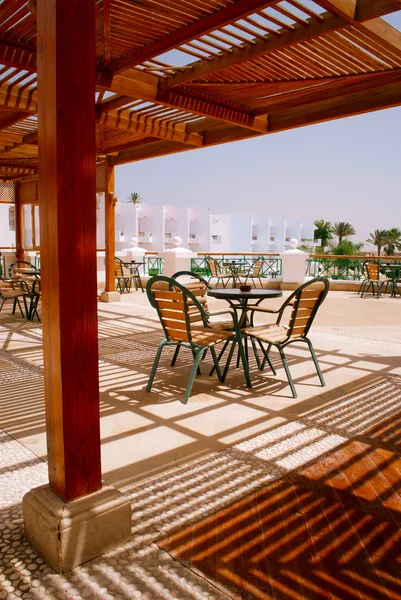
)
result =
(110, 228)
(19, 253)
(67, 188)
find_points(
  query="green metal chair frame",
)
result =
(173, 308)
(305, 305)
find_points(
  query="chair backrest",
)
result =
(256, 268)
(118, 268)
(305, 302)
(214, 267)
(13, 269)
(372, 270)
(178, 308)
(199, 287)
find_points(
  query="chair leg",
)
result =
(230, 355)
(194, 354)
(155, 363)
(267, 358)
(176, 351)
(2, 302)
(244, 363)
(319, 372)
(216, 363)
(256, 353)
(287, 371)
(197, 359)
(14, 305)
(219, 356)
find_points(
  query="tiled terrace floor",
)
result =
(211, 472)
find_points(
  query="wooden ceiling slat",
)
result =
(213, 21)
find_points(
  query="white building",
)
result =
(155, 226)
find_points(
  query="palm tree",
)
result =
(134, 197)
(393, 241)
(378, 238)
(342, 230)
(323, 232)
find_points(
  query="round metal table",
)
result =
(239, 300)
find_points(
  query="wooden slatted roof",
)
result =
(175, 75)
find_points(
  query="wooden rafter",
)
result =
(146, 126)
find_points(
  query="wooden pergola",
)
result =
(116, 81)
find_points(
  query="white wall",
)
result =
(234, 233)
(200, 224)
(7, 237)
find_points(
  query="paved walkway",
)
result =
(229, 448)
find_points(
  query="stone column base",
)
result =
(110, 297)
(69, 534)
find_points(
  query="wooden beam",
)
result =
(151, 150)
(338, 86)
(19, 252)
(366, 9)
(386, 96)
(137, 85)
(258, 48)
(67, 187)
(31, 138)
(148, 126)
(12, 120)
(110, 201)
(342, 8)
(217, 19)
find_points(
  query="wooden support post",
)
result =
(67, 188)
(19, 252)
(110, 233)
(73, 519)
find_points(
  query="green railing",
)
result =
(154, 265)
(343, 267)
(271, 265)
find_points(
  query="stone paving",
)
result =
(216, 466)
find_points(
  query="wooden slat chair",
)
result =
(178, 310)
(374, 278)
(216, 273)
(199, 287)
(255, 273)
(123, 279)
(7, 292)
(305, 302)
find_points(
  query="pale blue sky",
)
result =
(342, 170)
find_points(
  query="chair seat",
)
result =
(10, 293)
(203, 336)
(225, 325)
(271, 334)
